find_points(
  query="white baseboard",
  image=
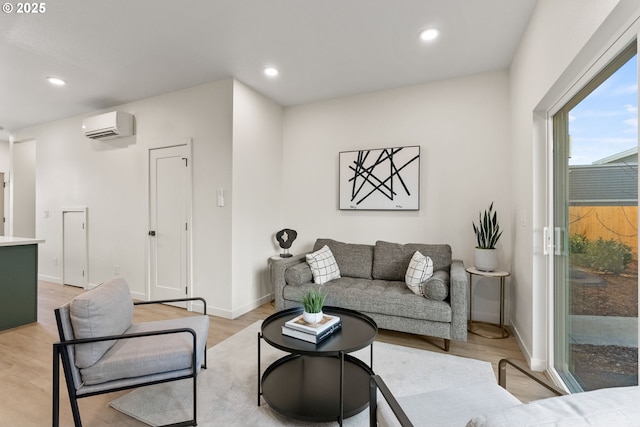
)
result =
(232, 314)
(198, 307)
(52, 279)
(538, 365)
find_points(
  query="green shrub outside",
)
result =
(578, 243)
(601, 255)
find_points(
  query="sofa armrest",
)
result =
(278, 269)
(458, 286)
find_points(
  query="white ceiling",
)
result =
(115, 51)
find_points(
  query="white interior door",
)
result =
(74, 248)
(169, 186)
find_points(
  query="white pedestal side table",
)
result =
(472, 327)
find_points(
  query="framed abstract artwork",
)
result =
(380, 179)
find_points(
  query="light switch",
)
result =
(220, 197)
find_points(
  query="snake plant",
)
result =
(488, 230)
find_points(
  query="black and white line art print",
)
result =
(380, 179)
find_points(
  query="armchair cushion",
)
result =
(137, 357)
(449, 407)
(103, 311)
(605, 407)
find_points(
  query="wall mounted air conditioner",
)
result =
(116, 124)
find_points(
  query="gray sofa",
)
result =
(372, 282)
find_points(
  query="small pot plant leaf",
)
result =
(313, 301)
(488, 229)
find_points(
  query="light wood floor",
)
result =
(26, 362)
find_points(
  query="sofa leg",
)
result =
(447, 344)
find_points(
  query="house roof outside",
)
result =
(610, 184)
(627, 156)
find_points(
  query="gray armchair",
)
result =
(103, 351)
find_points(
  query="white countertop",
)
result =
(15, 241)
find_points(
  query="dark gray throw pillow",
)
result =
(437, 286)
(298, 274)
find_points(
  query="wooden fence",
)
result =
(619, 223)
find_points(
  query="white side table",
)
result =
(472, 327)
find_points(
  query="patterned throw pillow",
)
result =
(323, 265)
(420, 269)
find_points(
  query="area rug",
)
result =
(227, 390)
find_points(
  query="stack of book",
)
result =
(314, 333)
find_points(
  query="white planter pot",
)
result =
(485, 259)
(312, 317)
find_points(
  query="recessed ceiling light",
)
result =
(429, 34)
(56, 81)
(271, 72)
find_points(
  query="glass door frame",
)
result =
(555, 244)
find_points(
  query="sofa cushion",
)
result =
(390, 260)
(298, 274)
(437, 286)
(605, 407)
(450, 407)
(137, 357)
(391, 298)
(323, 266)
(103, 311)
(419, 270)
(353, 260)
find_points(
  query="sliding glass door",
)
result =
(596, 230)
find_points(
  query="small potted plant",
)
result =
(313, 302)
(487, 235)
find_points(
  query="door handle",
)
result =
(152, 233)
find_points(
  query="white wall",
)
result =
(462, 127)
(562, 40)
(257, 195)
(5, 162)
(110, 178)
(23, 188)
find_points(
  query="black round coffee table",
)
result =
(318, 382)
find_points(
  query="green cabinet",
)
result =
(18, 285)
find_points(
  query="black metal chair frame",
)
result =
(61, 351)
(377, 383)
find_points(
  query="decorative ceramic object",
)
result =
(312, 318)
(485, 259)
(285, 239)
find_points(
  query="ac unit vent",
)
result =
(116, 124)
(102, 134)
